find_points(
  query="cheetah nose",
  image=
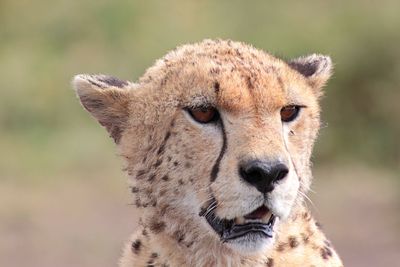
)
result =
(262, 174)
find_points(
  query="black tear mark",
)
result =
(215, 169)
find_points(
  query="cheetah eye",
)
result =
(289, 113)
(204, 114)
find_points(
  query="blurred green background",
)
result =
(63, 198)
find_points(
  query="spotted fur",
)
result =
(178, 166)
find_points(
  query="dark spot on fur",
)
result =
(161, 149)
(327, 243)
(151, 177)
(138, 204)
(156, 226)
(249, 83)
(158, 163)
(180, 182)
(280, 247)
(270, 262)
(189, 244)
(280, 82)
(306, 216)
(305, 237)
(163, 209)
(140, 173)
(134, 189)
(214, 71)
(151, 261)
(179, 236)
(326, 253)
(293, 242)
(145, 233)
(216, 87)
(163, 82)
(215, 169)
(176, 163)
(167, 136)
(169, 158)
(165, 178)
(112, 81)
(318, 225)
(136, 245)
(188, 165)
(154, 255)
(162, 192)
(162, 146)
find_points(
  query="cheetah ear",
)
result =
(106, 98)
(316, 68)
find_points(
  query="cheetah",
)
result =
(216, 139)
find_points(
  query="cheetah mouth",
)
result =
(258, 224)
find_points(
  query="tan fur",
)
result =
(169, 157)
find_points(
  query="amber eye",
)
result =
(204, 114)
(289, 113)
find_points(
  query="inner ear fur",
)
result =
(317, 69)
(107, 99)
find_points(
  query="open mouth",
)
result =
(259, 222)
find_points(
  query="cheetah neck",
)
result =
(300, 242)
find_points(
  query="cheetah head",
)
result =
(217, 138)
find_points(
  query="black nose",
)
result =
(263, 175)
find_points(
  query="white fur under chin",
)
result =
(251, 244)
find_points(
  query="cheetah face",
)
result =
(253, 181)
(217, 138)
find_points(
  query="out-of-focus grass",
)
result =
(44, 43)
(58, 167)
